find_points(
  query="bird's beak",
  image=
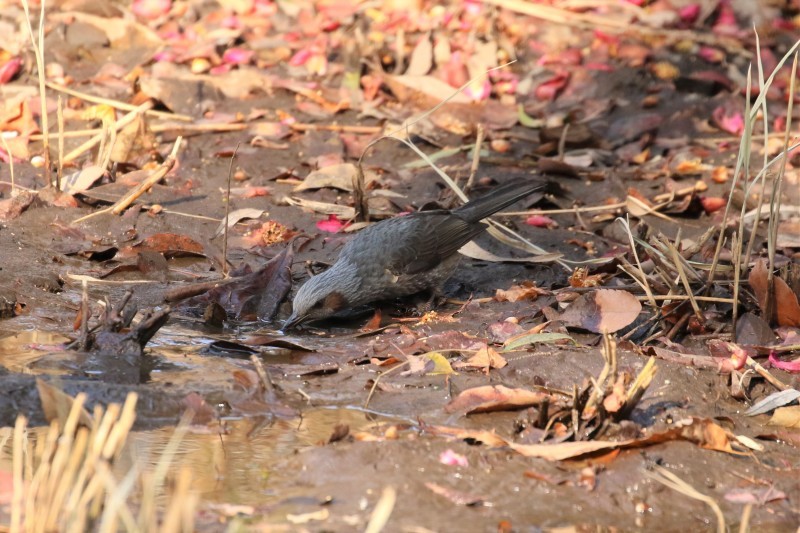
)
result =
(293, 321)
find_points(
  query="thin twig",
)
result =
(121, 123)
(116, 103)
(476, 158)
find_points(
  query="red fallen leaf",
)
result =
(494, 398)
(541, 221)
(789, 366)
(786, 306)
(549, 89)
(9, 69)
(151, 9)
(170, 244)
(332, 224)
(712, 204)
(604, 310)
(732, 123)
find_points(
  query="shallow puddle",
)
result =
(18, 351)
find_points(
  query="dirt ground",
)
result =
(355, 421)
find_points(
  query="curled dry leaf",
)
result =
(788, 417)
(786, 306)
(494, 398)
(485, 358)
(604, 310)
(526, 290)
(339, 176)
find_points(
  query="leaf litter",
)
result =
(641, 130)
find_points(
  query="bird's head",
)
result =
(321, 296)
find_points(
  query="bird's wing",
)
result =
(428, 238)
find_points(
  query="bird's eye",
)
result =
(317, 305)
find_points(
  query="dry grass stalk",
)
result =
(38, 51)
(60, 117)
(121, 123)
(116, 103)
(65, 481)
(665, 477)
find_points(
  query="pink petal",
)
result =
(541, 221)
(733, 123)
(789, 366)
(237, 56)
(712, 55)
(478, 91)
(332, 225)
(451, 458)
(9, 69)
(689, 13)
(300, 58)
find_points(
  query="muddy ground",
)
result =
(318, 452)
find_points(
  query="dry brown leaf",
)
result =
(485, 358)
(604, 310)
(786, 306)
(788, 417)
(526, 290)
(494, 398)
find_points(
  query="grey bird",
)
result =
(401, 256)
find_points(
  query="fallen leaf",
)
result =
(57, 404)
(604, 310)
(494, 398)
(421, 60)
(339, 176)
(237, 215)
(485, 358)
(788, 417)
(526, 290)
(786, 306)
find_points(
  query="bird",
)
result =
(401, 256)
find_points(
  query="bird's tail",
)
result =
(500, 198)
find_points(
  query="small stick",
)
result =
(570, 211)
(476, 158)
(764, 373)
(227, 213)
(121, 123)
(266, 382)
(115, 103)
(299, 126)
(60, 116)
